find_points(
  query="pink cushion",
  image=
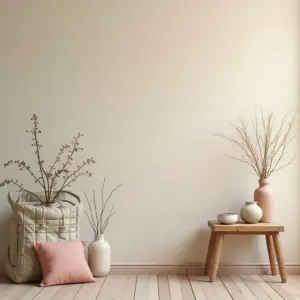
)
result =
(63, 263)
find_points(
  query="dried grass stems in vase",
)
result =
(264, 143)
(97, 216)
(59, 175)
(99, 249)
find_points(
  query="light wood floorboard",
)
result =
(237, 288)
(175, 289)
(89, 291)
(288, 291)
(254, 284)
(186, 288)
(267, 288)
(109, 290)
(221, 290)
(141, 289)
(4, 283)
(67, 292)
(163, 288)
(32, 293)
(15, 291)
(47, 293)
(130, 287)
(153, 287)
(197, 287)
(207, 288)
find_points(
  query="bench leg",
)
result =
(212, 241)
(216, 257)
(279, 256)
(270, 246)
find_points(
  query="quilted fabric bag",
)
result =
(31, 222)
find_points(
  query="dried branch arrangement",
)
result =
(263, 143)
(58, 175)
(98, 218)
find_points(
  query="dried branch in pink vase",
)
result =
(59, 175)
(263, 143)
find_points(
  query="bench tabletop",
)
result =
(243, 227)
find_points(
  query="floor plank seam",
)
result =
(271, 286)
(158, 290)
(225, 288)
(249, 287)
(169, 286)
(53, 295)
(38, 293)
(101, 288)
(191, 287)
(136, 280)
(78, 291)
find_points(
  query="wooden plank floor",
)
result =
(152, 287)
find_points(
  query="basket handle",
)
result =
(63, 191)
(73, 195)
(9, 196)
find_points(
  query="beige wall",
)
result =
(148, 82)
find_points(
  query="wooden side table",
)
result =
(218, 231)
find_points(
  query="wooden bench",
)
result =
(218, 231)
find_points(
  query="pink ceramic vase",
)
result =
(264, 198)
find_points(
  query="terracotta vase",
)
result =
(264, 198)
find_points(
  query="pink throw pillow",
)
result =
(63, 263)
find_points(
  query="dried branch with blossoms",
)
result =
(264, 144)
(97, 219)
(57, 176)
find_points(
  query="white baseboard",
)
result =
(193, 269)
(198, 269)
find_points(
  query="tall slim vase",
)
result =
(264, 198)
(99, 256)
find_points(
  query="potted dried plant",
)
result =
(44, 215)
(54, 179)
(99, 218)
(264, 145)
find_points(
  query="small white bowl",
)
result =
(228, 218)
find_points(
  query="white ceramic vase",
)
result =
(251, 213)
(99, 256)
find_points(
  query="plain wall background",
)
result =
(148, 82)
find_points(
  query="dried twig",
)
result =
(49, 179)
(98, 220)
(266, 146)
